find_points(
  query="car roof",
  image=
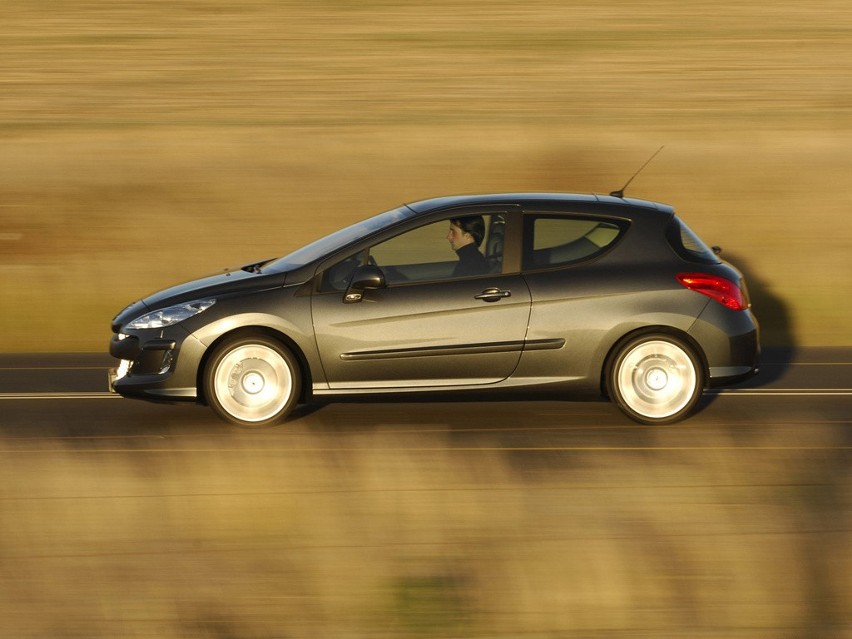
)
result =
(531, 199)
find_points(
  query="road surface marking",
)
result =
(80, 395)
(785, 392)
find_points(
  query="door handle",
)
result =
(492, 295)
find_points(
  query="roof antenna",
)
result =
(620, 193)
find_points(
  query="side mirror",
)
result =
(365, 278)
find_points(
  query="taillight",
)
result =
(719, 288)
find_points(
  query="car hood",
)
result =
(226, 283)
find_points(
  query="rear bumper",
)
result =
(731, 344)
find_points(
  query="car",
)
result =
(575, 294)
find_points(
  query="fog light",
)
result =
(168, 360)
(115, 374)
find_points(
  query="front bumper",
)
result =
(161, 367)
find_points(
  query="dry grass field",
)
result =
(395, 530)
(149, 143)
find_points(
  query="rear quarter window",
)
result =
(688, 245)
(558, 240)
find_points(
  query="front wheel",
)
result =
(656, 379)
(252, 381)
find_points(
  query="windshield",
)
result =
(338, 239)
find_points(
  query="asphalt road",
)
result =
(57, 395)
(529, 517)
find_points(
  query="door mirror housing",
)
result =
(365, 278)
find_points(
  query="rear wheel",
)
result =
(252, 381)
(656, 379)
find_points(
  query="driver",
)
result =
(465, 236)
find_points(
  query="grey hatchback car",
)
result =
(579, 294)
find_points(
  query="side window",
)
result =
(455, 247)
(552, 240)
(420, 248)
(462, 246)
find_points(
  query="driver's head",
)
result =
(466, 230)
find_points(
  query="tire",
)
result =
(252, 381)
(656, 379)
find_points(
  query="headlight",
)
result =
(171, 315)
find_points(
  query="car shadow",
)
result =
(777, 332)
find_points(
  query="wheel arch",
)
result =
(262, 331)
(614, 349)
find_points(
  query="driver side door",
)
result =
(424, 327)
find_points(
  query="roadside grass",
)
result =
(384, 534)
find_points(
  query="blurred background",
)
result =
(149, 143)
